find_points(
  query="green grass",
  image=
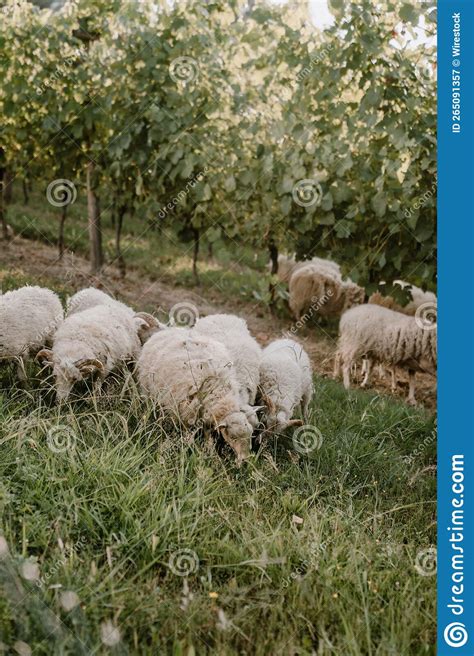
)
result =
(102, 495)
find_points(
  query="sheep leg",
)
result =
(20, 370)
(368, 371)
(346, 374)
(337, 366)
(305, 401)
(411, 387)
(393, 386)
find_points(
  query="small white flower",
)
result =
(30, 570)
(69, 600)
(109, 634)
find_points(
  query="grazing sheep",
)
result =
(288, 265)
(91, 297)
(285, 383)
(316, 288)
(418, 297)
(192, 377)
(91, 343)
(382, 335)
(29, 317)
(244, 350)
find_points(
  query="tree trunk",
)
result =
(26, 196)
(3, 217)
(195, 255)
(210, 249)
(273, 249)
(118, 233)
(8, 186)
(93, 211)
(113, 211)
(61, 231)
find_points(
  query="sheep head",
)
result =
(237, 432)
(147, 325)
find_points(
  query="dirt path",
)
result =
(38, 260)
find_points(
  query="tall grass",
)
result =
(171, 549)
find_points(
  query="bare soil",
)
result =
(40, 261)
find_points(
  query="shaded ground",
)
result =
(34, 259)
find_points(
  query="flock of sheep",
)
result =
(380, 330)
(213, 375)
(210, 376)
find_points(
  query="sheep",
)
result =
(288, 265)
(244, 350)
(192, 377)
(388, 337)
(91, 343)
(29, 317)
(418, 298)
(318, 289)
(285, 382)
(91, 297)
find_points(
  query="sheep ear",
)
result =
(45, 357)
(254, 409)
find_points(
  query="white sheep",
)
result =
(387, 337)
(91, 343)
(317, 289)
(29, 317)
(244, 350)
(288, 265)
(192, 377)
(90, 297)
(285, 383)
